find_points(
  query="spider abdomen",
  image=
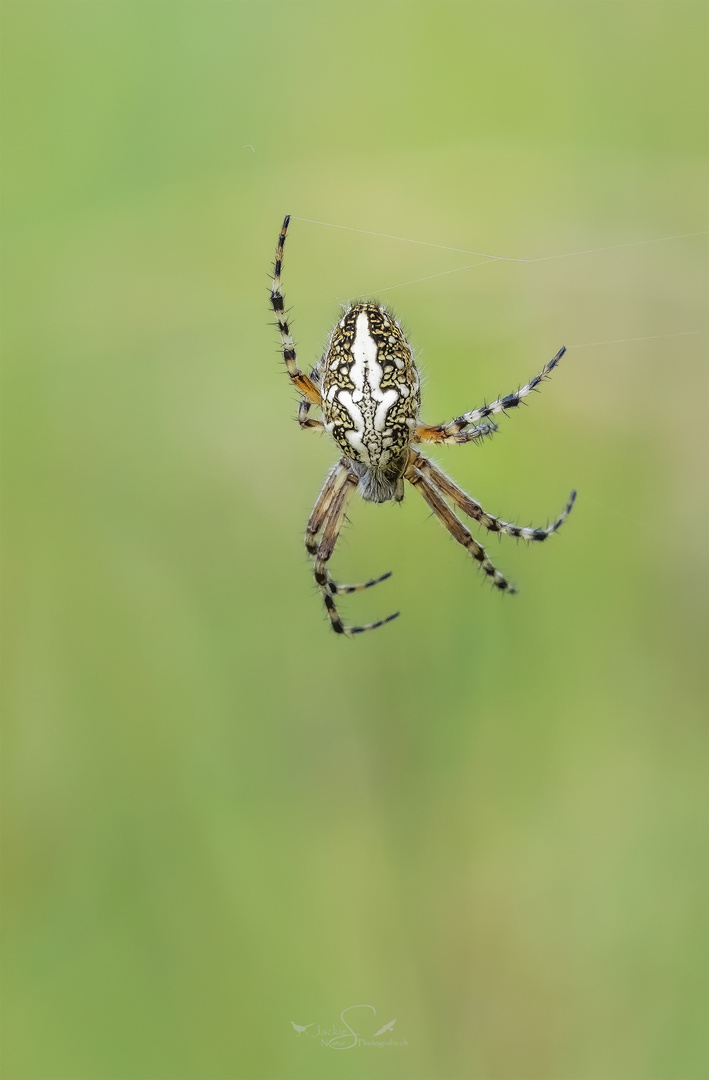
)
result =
(370, 390)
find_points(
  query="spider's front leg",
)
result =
(416, 476)
(334, 482)
(327, 518)
(455, 431)
(473, 509)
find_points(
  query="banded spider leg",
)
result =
(433, 484)
(326, 522)
(451, 433)
(474, 510)
(302, 382)
(304, 407)
(418, 478)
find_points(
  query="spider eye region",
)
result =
(370, 391)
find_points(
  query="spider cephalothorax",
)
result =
(367, 387)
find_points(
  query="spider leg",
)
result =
(311, 425)
(438, 435)
(473, 508)
(306, 423)
(415, 475)
(305, 406)
(302, 382)
(447, 432)
(329, 515)
(340, 590)
(334, 482)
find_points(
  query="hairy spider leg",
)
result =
(455, 527)
(445, 432)
(474, 510)
(303, 384)
(474, 434)
(337, 479)
(331, 530)
(305, 406)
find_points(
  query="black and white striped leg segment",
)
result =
(437, 435)
(458, 531)
(302, 382)
(306, 422)
(305, 406)
(474, 510)
(327, 519)
(331, 531)
(445, 432)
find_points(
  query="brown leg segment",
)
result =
(458, 531)
(439, 433)
(305, 405)
(335, 481)
(474, 510)
(329, 517)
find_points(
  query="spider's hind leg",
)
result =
(302, 382)
(441, 433)
(305, 405)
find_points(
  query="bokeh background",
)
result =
(486, 821)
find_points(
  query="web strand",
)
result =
(429, 277)
(486, 257)
(623, 340)
(503, 258)
(405, 240)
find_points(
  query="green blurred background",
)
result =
(487, 820)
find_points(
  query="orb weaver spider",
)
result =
(368, 390)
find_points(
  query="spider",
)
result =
(368, 390)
